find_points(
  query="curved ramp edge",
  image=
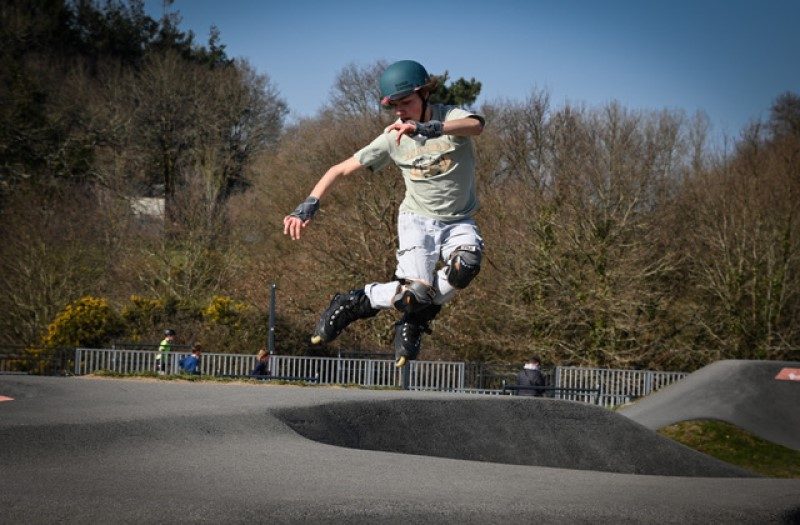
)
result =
(539, 432)
(743, 393)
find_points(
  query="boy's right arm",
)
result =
(295, 222)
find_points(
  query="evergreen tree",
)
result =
(462, 92)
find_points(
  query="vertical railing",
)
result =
(338, 370)
(436, 375)
(616, 386)
(424, 375)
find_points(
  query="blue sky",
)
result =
(728, 58)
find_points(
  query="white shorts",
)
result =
(423, 242)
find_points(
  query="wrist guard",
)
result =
(306, 209)
(430, 129)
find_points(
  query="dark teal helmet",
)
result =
(401, 79)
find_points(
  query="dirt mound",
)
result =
(541, 432)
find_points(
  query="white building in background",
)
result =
(149, 207)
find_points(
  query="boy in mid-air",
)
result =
(432, 146)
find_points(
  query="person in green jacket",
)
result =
(163, 351)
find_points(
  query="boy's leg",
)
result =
(462, 247)
(416, 264)
(417, 255)
(359, 304)
(343, 310)
(408, 333)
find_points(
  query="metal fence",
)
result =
(422, 375)
(616, 387)
(35, 361)
(606, 387)
(337, 370)
(90, 360)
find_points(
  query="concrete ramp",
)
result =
(537, 432)
(743, 393)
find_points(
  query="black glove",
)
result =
(307, 209)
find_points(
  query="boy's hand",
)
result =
(419, 131)
(294, 223)
(408, 127)
(292, 226)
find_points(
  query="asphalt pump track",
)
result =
(78, 450)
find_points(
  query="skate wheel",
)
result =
(401, 362)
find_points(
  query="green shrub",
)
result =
(143, 315)
(232, 326)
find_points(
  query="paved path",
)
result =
(81, 450)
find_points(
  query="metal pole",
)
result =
(271, 338)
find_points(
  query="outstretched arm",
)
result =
(462, 127)
(295, 222)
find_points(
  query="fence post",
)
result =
(405, 376)
(78, 358)
(271, 337)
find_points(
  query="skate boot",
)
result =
(343, 310)
(408, 333)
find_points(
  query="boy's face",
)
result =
(408, 108)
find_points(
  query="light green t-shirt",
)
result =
(439, 176)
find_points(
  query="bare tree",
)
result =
(744, 253)
(54, 250)
(355, 92)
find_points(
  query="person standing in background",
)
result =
(531, 376)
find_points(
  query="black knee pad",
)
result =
(464, 265)
(413, 295)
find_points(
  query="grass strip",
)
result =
(733, 445)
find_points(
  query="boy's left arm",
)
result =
(461, 127)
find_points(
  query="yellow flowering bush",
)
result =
(142, 315)
(89, 322)
(224, 311)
